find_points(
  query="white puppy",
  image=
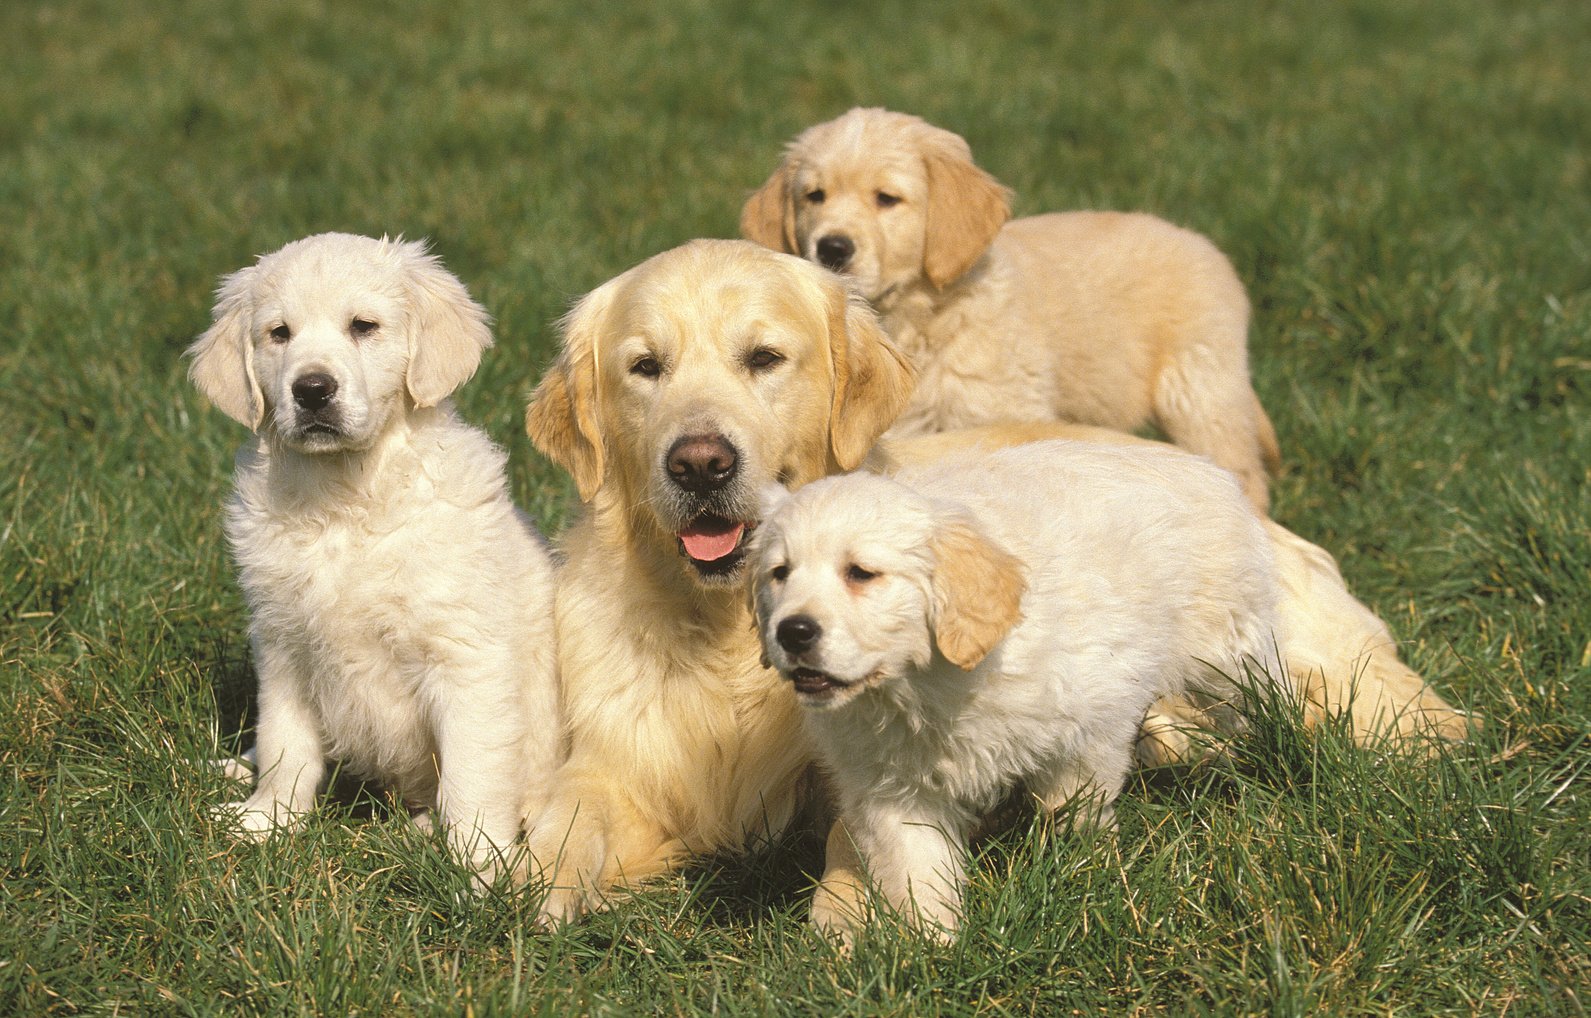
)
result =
(1104, 318)
(401, 607)
(997, 619)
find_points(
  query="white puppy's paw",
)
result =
(254, 821)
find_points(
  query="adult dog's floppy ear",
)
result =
(768, 217)
(223, 358)
(966, 208)
(872, 378)
(447, 329)
(977, 593)
(563, 419)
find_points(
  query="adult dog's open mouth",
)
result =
(715, 544)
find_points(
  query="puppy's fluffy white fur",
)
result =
(1002, 618)
(1104, 318)
(400, 606)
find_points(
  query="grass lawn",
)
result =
(1406, 188)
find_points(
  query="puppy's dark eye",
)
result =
(646, 367)
(779, 574)
(281, 334)
(856, 574)
(762, 358)
(886, 200)
(816, 196)
(362, 326)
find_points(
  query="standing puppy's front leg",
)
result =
(481, 738)
(916, 861)
(289, 752)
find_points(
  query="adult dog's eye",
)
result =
(281, 334)
(646, 367)
(886, 200)
(856, 574)
(762, 358)
(779, 574)
(816, 196)
(362, 326)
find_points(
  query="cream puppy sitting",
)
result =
(401, 607)
(1001, 619)
(1104, 318)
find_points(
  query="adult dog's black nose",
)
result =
(797, 633)
(835, 250)
(314, 390)
(702, 463)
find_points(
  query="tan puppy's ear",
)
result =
(563, 419)
(768, 217)
(447, 332)
(872, 378)
(966, 208)
(977, 593)
(223, 358)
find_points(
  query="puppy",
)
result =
(1104, 318)
(400, 606)
(999, 619)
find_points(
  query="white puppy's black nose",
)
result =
(797, 633)
(314, 390)
(702, 463)
(835, 250)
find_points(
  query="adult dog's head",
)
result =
(321, 342)
(694, 380)
(885, 198)
(858, 579)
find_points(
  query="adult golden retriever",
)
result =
(683, 387)
(1104, 318)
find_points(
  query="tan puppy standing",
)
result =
(1104, 318)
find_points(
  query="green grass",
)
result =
(1403, 185)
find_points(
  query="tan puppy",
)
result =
(1104, 318)
(400, 607)
(684, 387)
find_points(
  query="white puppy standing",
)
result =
(401, 607)
(999, 619)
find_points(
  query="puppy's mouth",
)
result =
(816, 685)
(715, 545)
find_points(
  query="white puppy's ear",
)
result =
(872, 378)
(977, 593)
(966, 208)
(563, 419)
(447, 329)
(223, 358)
(768, 217)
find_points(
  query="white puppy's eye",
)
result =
(646, 367)
(886, 200)
(856, 574)
(816, 196)
(281, 333)
(762, 358)
(779, 574)
(362, 326)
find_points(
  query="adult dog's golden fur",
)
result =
(681, 742)
(1104, 318)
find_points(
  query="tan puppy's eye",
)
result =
(856, 574)
(281, 334)
(886, 200)
(779, 574)
(360, 327)
(816, 196)
(762, 358)
(646, 367)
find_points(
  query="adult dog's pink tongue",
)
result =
(708, 540)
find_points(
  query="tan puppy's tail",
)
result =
(1342, 657)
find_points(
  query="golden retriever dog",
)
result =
(1104, 318)
(400, 606)
(1004, 619)
(684, 387)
